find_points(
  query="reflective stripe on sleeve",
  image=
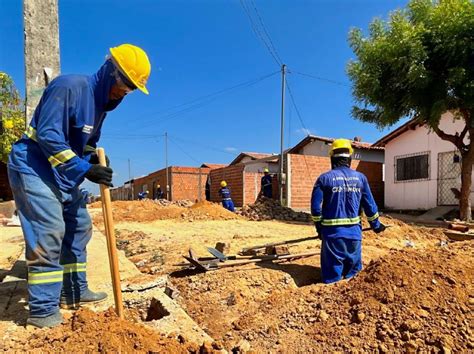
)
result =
(61, 157)
(342, 221)
(372, 218)
(316, 218)
(30, 132)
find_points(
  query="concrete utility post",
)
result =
(41, 28)
(282, 179)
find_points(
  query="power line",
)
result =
(320, 78)
(260, 36)
(205, 100)
(295, 106)
(182, 150)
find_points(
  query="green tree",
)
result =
(12, 115)
(420, 64)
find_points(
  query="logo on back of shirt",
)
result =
(87, 129)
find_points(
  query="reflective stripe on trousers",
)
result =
(56, 228)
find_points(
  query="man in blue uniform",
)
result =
(142, 195)
(224, 192)
(336, 203)
(266, 183)
(46, 167)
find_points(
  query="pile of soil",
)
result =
(149, 210)
(270, 209)
(87, 331)
(407, 301)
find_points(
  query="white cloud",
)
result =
(230, 149)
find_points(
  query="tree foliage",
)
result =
(12, 115)
(418, 64)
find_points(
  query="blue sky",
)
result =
(198, 48)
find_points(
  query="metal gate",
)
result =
(449, 177)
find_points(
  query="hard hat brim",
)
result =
(142, 88)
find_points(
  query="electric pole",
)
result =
(166, 164)
(130, 178)
(41, 47)
(282, 179)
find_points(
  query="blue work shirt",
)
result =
(336, 203)
(267, 185)
(65, 128)
(224, 192)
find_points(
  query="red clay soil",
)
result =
(148, 210)
(88, 331)
(406, 301)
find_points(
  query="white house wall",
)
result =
(321, 148)
(417, 194)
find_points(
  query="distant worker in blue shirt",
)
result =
(336, 203)
(224, 192)
(159, 192)
(266, 183)
(47, 165)
(142, 195)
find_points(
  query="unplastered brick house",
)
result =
(422, 171)
(243, 176)
(184, 183)
(308, 159)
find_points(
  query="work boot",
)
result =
(88, 296)
(49, 321)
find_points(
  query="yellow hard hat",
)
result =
(341, 144)
(266, 170)
(133, 63)
(158, 186)
(223, 184)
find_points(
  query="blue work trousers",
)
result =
(228, 204)
(340, 258)
(56, 227)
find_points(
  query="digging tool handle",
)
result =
(110, 236)
(369, 228)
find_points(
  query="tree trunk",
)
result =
(466, 181)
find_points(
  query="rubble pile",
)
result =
(268, 209)
(185, 203)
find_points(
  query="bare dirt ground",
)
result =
(414, 293)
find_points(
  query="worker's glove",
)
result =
(380, 229)
(317, 225)
(94, 159)
(100, 174)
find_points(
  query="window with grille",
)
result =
(412, 167)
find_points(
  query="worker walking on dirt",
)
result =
(266, 183)
(47, 165)
(336, 202)
(224, 192)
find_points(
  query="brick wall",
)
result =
(233, 175)
(304, 170)
(184, 182)
(5, 190)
